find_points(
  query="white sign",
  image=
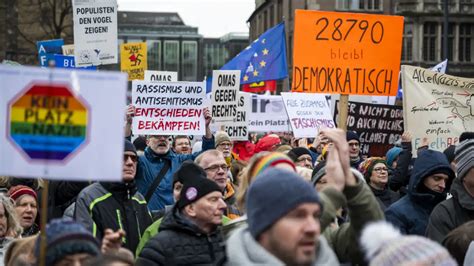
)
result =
(268, 114)
(62, 124)
(169, 108)
(238, 129)
(161, 76)
(308, 113)
(95, 32)
(225, 87)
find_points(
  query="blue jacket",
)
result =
(412, 211)
(150, 164)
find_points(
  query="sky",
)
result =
(214, 18)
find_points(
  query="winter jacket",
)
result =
(61, 194)
(385, 197)
(150, 164)
(243, 249)
(229, 197)
(181, 242)
(400, 176)
(115, 206)
(411, 213)
(451, 213)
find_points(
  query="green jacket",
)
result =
(153, 229)
(363, 209)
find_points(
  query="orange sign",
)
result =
(346, 53)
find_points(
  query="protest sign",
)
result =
(346, 53)
(437, 106)
(47, 50)
(67, 61)
(95, 32)
(57, 121)
(238, 129)
(161, 76)
(308, 113)
(225, 87)
(168, 108)
(268, 114)
(68, 49)
(133, 60)
(379, 126)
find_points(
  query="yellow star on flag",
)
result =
(265, 51)
(263, 63)
(246, 78)
(255, 73)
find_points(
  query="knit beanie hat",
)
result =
(466, 135)
(367, 166)
(318, 172)
(392, 154)
(272, 195)
(449, 152)
(267, 142)
(194, 189)
(129, 147)
(464, 157)
(16, 192)
(352, 135)
(295, 153)
(220, 137)
(386, 246)
(270, 160)
(140, 143)
(187, 170)
(66, 237)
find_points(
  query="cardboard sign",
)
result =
(95, 32)
(238, 129)
(168, 108)
(47, 50)
(133, 60)
(436, 105)
(161, 76)
(379, 126)
(268, 114)
(308, 113)
(67, 61)
(346, 53)
(56, 122)
(225, 88)
(68, 49)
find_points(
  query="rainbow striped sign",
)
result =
(48, 122)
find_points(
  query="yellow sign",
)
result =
(133, 60)
(346, 53)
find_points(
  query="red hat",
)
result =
(245, 149)
(267, 143)
(16, 192)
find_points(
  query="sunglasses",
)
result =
(133, 157)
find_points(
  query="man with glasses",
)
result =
(301, 157)
(115, 206)
(216, 168)
(182, 144)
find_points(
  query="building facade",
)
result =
(218, 51)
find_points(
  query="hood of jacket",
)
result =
(121, 190)
(464, 198)
(428, 162)
(243, 249)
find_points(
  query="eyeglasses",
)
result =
(215, 168)
(304, 159)
(133, 157)
(380, 169)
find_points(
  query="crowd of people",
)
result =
(271, 200)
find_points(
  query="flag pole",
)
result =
(343, 111)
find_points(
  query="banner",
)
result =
(68, 49)
(308, 113)
(95, 32)
(67, 61)
(268, 114)
(133, 60)
(379, 126)
(225, 87)
(437, 106)
(262, 86)
(238, 129)
(346, 53)
(47, 50)
(168, 108)
(161, 76)
(58, 121)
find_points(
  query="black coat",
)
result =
(385, 197)
(180, 242)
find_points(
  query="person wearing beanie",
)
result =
(189, 234)
(301, 157)
(427, 188)
(450, 153)
(375, 171)
(399, 171)
(117, 206)
(26, 207)
(268, 143)
(384, 245)
(460, 208)
(354, 148)
(392, 156)
(69, 243)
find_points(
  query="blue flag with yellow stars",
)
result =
(264, 59)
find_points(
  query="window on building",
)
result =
(466, 42)
(120, 41)
(407, 52)
(132, 40)
(371, 5)
(171, 56)
(280, 10)
(189, 57)
(154, 54)
(272, 15)
(265, 20)
(450, 42)
(429, 41)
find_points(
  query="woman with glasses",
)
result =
(375, 171)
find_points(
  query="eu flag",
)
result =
(264, 59)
